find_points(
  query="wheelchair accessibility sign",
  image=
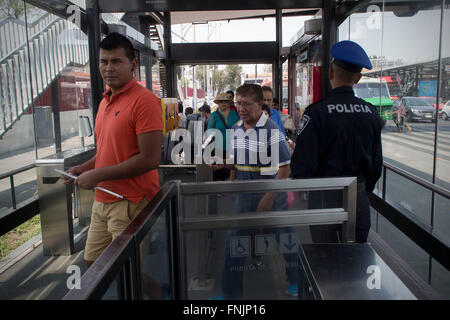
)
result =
(240, 246)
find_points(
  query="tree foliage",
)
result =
(222, 79)
(11, 8)
(233, 76)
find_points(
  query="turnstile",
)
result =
(57, 201)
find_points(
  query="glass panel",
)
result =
(111, 293)
(60, 81)
(292, 29)
(241, 202)
(243, 263)
(412, 254)
(307, 78)
(344, 30)
(252, 262)
(366, 29)
(440, 280)
(156, 84)
(409, 58)
(224, 31)
(443, 142)
(16, 119)
(408, 197)
(155, 262)
(441, 225)
(199, 84)
(283, 105)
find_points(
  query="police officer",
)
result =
(340, 136)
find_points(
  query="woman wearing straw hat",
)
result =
(222, 119)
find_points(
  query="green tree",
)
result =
(233, 76)
(11, 8)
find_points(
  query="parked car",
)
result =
(445, 112)
(432, 100)
(414, 108)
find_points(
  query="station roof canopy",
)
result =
(203, 5)
(178, 17)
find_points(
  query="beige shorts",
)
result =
(108, 220)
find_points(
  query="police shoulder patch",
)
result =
(303, 124)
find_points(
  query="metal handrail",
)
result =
(10, 175)
(124, 248)
(428, 185)
(16, 171)
(34, 36)
(18, 41)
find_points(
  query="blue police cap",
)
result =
(350, 56)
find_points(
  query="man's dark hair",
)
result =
(115, 41)
(266, 107)
(188, 110)
(344, 75)
(251, 89)
(230, 92)
(267, 88)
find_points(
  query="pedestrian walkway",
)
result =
(26, 274)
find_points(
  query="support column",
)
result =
(329, 36)
(94, 37)
(56, 115)
(278, 71)
(147, 59)
(168, 48)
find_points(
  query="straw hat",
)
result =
(222, 97)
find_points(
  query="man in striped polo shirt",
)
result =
(260, 152)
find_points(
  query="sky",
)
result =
(233, 31)
(413, 39)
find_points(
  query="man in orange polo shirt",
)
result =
(128, 130)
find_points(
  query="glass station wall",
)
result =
(409, 82)
(44, 90)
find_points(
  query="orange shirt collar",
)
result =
(130, 84)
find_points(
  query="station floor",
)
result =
(26, 274)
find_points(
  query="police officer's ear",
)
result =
(331, 73)
(358, 78)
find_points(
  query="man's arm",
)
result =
(377, 165)
(266, 202)
(77, 170)
(148, 158)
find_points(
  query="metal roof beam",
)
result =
(203, 5)
(232, 52)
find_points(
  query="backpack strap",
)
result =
(222, 118)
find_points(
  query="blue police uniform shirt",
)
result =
(339, 136)
(248, 147)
